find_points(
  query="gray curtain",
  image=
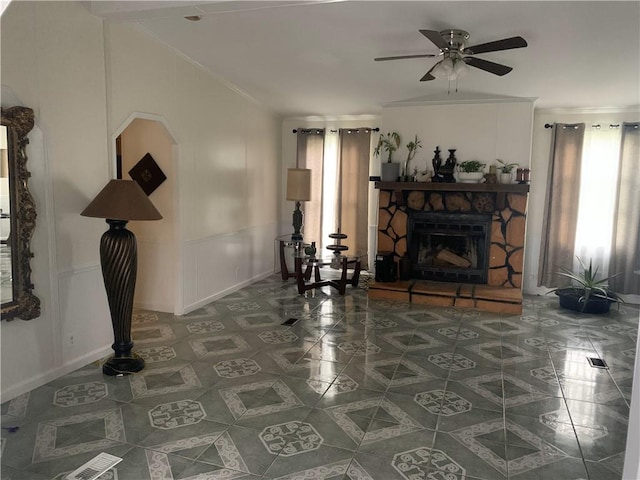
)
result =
(310, 155)
(625, 254)
(561, 204)
(353, 189)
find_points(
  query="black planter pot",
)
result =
(571, 300)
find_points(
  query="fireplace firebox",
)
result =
(449, 247)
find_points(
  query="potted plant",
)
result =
(506, 171)
(412, 148)
(587, 293)
(389, 143)
(470, 171)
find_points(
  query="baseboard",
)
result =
(216, 296)
(154, 307)
(46, 377)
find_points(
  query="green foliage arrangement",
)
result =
(413, 147)
(389, 142)
(470, 166)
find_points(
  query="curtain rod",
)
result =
(596, 126)
(318, 130)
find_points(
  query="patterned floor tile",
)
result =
(474, 465)
(357, 389)
(239, 449)
(369, 421)
(324, 462)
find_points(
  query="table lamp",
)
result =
(118, 202)
(298, 190)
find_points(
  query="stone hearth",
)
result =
(507, 206)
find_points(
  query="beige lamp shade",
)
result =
(299, 184)
(122, 200)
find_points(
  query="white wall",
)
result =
(59, 72)
(84, 80)
(480, 131)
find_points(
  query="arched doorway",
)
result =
(141, 136)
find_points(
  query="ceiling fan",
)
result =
(456, 55)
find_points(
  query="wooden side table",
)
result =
(342, 262)
(298, 249)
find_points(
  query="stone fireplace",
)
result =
(457, 244)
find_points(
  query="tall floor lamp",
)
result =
(118, 202)
(298, 190)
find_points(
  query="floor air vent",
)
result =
(597, 362)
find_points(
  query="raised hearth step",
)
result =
(446, 294)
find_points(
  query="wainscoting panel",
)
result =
(217, 266)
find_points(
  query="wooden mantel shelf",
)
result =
(453, 187)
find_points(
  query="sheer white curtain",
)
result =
(339, 163)
(598, 193)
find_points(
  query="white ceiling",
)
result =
(305, 58)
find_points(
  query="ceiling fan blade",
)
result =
(491, 67)
(427, 76)
(504, 44)
(435, 38)
(401, 57)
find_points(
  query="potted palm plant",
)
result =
(587, 293)
(389, 143)
(470, 171)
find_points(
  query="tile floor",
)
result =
(357, 389)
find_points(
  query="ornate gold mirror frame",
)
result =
(23, 304)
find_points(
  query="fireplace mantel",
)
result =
(500, 188)
(453, 187)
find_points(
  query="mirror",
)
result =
(17, 217)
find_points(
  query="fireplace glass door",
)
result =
(450, 247)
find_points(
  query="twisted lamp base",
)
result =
(119, 260)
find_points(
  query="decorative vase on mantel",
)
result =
(389, 171)
(506, 178)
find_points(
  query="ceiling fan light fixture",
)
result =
(460, 68)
